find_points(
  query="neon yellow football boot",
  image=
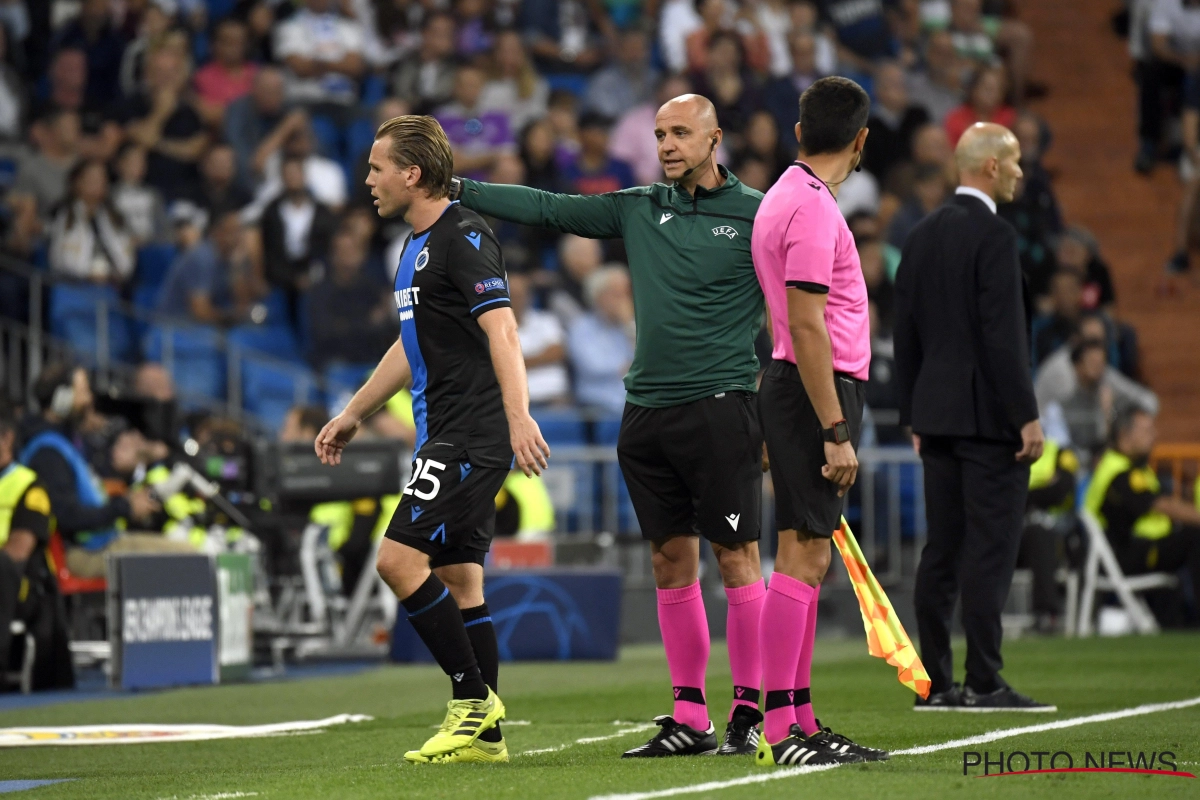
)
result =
(479, 752)
(465, 720)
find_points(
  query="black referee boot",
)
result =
(676, 739)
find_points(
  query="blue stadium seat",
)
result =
(343, 377)
(374, 89)
(73, 317)
(606, 430)
(575, 84)
(270, 388)
(197, 363)
(329, 137)
(273, 340)
(218, 9)
(561, 426)
(153, 263)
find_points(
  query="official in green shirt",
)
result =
(690, 446)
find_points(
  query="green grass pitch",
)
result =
(563, 703)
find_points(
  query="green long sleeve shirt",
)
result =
(697, 302)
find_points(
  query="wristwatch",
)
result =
(455, 188)
(838, 433)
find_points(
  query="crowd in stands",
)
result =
(234, 133)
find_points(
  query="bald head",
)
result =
(983, 141)
(988, 158)
(688, 136)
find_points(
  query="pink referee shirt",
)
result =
(801, 240)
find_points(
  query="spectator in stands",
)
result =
(474, 37)
(86, 518)
(632, 139)
(892, 123)
(188, 224)
(323, 54)
(563, 35)
(323, 176)
(94, 32)
(578, 260)
(257, 125)
(43, 172)
(219, 188)
(388, 108)
(755, 173)
(763, 144)
(863, 33)
(984, 103)
(513, 86)
(782, 95)
(296, 233)
(1051, 331)
(351, 318)
(228, 77)
(627, 82)
(210, 283)
(542, 342)
(477, 136)
(563, 114)
(728, 84)
(1149, 530)
(880, 292)
(929, 192)
(155, 21)
(774, 19)
(1079, 251)
(140, 205)
(595, 171)
(679, 20)
(982, 38)
(538, 157)
(1056, 380)
(601, 341)
(715, 17)
(99, 134)
(938, 86)
(14, 101)
(1089, 409)
(1034, 209)
(1189, 163)
(151, 380)
(89, 240)
(425, 79)
(391, 30)
(1174, 58)
(162, 119)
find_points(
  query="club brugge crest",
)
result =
(422, 259)
(725, 230)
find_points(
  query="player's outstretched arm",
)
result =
(595, 216)
(392, 375)
(528, 446)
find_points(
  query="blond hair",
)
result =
(419, 141)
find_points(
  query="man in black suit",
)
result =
(962, 364)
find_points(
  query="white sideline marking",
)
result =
(218, 796)
(591, 739)
(791, 772)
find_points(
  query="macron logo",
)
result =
(733, 520)
(473, 238)
(664, 218)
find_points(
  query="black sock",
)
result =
(478, 622)
(432, 611)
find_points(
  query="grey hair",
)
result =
(598, 281)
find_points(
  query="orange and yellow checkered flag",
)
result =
(885, 635)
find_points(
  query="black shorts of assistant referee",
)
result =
(448, 510)
(696, 468)
(804, 499)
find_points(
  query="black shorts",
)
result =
(804, 499)
(695, 469)
(448, 510)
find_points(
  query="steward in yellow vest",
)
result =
(1049, 517)
(1149, 530)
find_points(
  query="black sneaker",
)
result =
(798, 750)
(741, 734)
(676, 739)
(949, 700)
(1003, 699)
(867, 753)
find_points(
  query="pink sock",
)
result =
(784, 618)
(684, 627)
(741, 636)
(803, 700)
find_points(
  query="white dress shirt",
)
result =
(971, 190)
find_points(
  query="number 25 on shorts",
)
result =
(423, 471)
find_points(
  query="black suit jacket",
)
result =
(961, 335)
(280, 270)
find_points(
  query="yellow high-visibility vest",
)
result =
(16, 479)
(1151, 525)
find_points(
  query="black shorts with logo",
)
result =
(696, 468)
(804, 499)
(448, 510)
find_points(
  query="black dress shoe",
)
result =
(1003, 699)
(949, 700)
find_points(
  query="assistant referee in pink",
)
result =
(810, 403)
